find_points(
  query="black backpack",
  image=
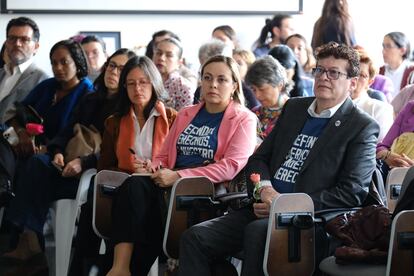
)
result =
(7, 170)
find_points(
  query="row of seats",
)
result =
(65, 212)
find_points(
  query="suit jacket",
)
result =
(236, 142)
(338, 169)
(32, 76)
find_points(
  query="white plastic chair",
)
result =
(65, 212)
(393, 183)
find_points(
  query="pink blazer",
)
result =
(236, 142)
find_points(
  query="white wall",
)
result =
(371, 25)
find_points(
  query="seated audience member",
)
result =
(303, 52)
(226, 34)
(229, 130)
(19, 75)
(402, 98)
(157, 37)
(384, 85)
(279, 28)
(54, 99)
(37, 182)
(3, 56)
(381, 112)
(403, 123)
(140, 122)
(93, 109)
(217, 47)
(396, 53)
(302, 85)
(245, 59)
(268, 80)
(95, 50)
(168, 59)
(340, 140)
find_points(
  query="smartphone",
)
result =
(58, 167)
(11, 136)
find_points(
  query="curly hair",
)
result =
(340, 51)
(77, 54)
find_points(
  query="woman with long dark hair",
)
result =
(335, 24)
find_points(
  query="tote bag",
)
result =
(87, 140)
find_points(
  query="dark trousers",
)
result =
(204, 243)
(37, 185)
(138, 217)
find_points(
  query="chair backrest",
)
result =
(400, 260)
(105, 183)
(290, 250)
(393, 186)
(184, 194)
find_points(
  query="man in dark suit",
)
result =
(19, 75)
(322, 146)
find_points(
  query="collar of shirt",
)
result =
(362, 98)
(399, 69)
(154, 113)
(20, 68)
(327, 113)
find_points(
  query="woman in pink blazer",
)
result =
(213, 139)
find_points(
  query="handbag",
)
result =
(404, 144)
(86, 140)
(365, 235)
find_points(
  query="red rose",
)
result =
(34, 129)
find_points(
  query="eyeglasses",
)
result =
(364, 77)
(112, 66)
(139, 83)
(23, 39)
(389, 46)
(332, 74)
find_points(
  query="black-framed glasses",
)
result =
(112, 66)
(23, 39)
(332, 74)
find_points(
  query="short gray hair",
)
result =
(213, 48)
(267, 70)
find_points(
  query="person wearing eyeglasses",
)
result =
(323, 146)
(396, 52)
(382, 112)
(20, 74)
(213, 139)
